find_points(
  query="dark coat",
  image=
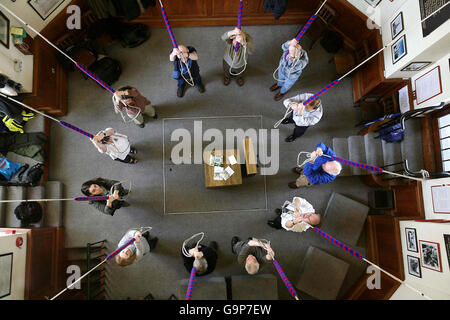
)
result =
(208, 253)
(277, 7)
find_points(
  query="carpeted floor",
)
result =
(74, 159)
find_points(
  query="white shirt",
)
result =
(120, 147)
(304, 207)
(308, 118)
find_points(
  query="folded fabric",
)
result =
(35, 152)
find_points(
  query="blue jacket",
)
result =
(314, 172)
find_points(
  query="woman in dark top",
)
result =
(203, 258)
(105, 187)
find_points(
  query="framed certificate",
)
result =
(428, 85)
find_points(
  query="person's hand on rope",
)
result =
(138, 236)
(319, 152)
(254, 243)
(13, 125)
(193, 251)
(293, 106)
(293, 42)
(111, 198)
(313, 156)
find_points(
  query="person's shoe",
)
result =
(271, 223)
(297, 170)
(180, 92)
(278, 211)
(201, 88)
(290, 138)
(234, 240)
(155, 116)
(153, 243)
(226, 80)
(274, 87)
(213, 244)
(292, 185)
(142, 125)
(125, 204)
(240, 82)
(278, 96)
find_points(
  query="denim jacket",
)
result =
(286, 64)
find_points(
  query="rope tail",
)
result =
(183, 248)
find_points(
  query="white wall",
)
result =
(25, 12)
(427, 199)
(431, 48)
(434, 284)
(7, 245)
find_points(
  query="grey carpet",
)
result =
(75, 160)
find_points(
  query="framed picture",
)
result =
(397, 25)
(428, 86)
(411, 240)
(373, 3)
(4, 30)
(6, 267)
(431, 255)
(416, 66)
(399, 49)
(447, 247)
(414, 266)
(44, 8)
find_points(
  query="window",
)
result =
(444, 139)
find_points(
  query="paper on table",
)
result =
(403, 99)
(229, 171)
(218, 169)
(232, 160)
(217, 176)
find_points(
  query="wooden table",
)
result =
(235, 179)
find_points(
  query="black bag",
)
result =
(107, 69)
(28, 212)
(332, 42)
(134, 35)
(29, 177)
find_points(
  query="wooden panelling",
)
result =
(44, 261)
(408, 200)
(224, 13)
(384, 249)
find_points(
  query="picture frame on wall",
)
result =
(4, 30)
(430, 255)
(373, 3)
(414, 266)
(44, 8)
(397, 25)
(447, 247)
(411, 240)
(398, 49)
(416, 66)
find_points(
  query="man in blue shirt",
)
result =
(320, 170)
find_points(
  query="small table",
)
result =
(235, 179)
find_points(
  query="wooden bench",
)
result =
(250, 159)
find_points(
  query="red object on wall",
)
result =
(19, 242)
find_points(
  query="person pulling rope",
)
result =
(109, 257)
